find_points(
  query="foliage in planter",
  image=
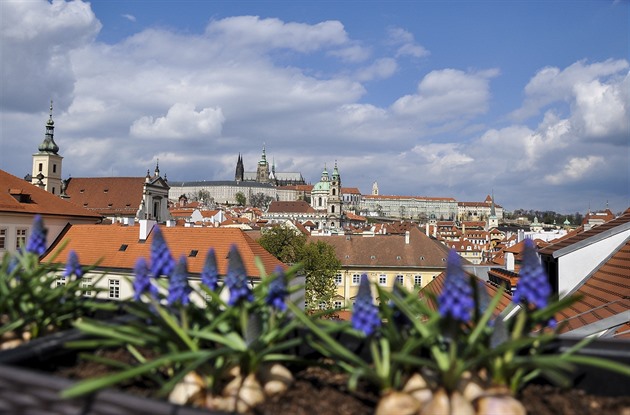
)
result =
(37, 298)
(458, 359)
(223, 355)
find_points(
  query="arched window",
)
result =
(332, 209)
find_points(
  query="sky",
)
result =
(526, 100)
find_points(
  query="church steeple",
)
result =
(49, 145)
(240, 169)
(46, 171)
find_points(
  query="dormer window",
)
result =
(123, 247)
(105, 190)
(193, 253)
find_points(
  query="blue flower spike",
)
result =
(210, 273)
(73, 267)
(142, 280)
(533, 285)
(162, 262)
(278, 291)
(37, 241)
(456, 299)
(236, 279)
(365, 316)
(178, 288)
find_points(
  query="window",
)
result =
(86, 284)
(417, 280)
(382, 279)
(41, 167)
(322, 305)
(338, 279)
(61, 281)
(356, 279)
(337, 304)
(53, 190)
(20, 238)
(400, 279)
(3, 238)
(54, 168)
(114, 288)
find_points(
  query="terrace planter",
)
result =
(25, 387)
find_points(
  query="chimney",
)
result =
(407, 238)
(509, 261)
(146, 226)
(427, 229)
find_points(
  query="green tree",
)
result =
(319, 262)
(320, 267)
(284, 243)
(260, 200)
(241, 200)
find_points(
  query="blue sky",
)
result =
(528, 100)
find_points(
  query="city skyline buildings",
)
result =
(526, 100)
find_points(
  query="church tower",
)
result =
(47, 162)
(493, 220)
(334, 199)
(240, 169)
(262, 171)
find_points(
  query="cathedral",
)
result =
(265, 174)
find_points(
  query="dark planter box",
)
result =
(26, 389)
(599, 381)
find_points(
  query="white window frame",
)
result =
(114, 288)
(86, 283)
(20, 237)
(3, 239)
(400, 279)
(382, 279)
(339, 279)
(356, 279)
(417, 280)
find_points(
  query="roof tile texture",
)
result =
(94, 243)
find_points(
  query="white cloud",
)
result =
(129, 17)
(575, 169)
(381, 69)
(406, 43)
(448, 94)
(271, 33)
(551, 84)
(181, 121)
(36, 38)
(601, 110)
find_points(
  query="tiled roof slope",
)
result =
(605, 293)
(35, 200)
(385, 250)
(103, 242)
(297, 206)
(436, 286)
(107, 195)
(579, 237)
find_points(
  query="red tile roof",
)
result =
(557, 245)
(297, 206)
(387, 250)
(103, 242)
(18, 196)
(605, 293)
(109, 196)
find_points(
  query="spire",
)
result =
(492, 209)
(157, 168)
(49, 145)
(240, 169)
(335, 174)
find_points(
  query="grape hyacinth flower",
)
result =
(364, 313)
(142, 280)
(456, 299)
(73, 267)
(210, 273)
(37, 241)
(178, 288)
(533, 285)
(236, 279)
(278, 291)
(162, 263)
